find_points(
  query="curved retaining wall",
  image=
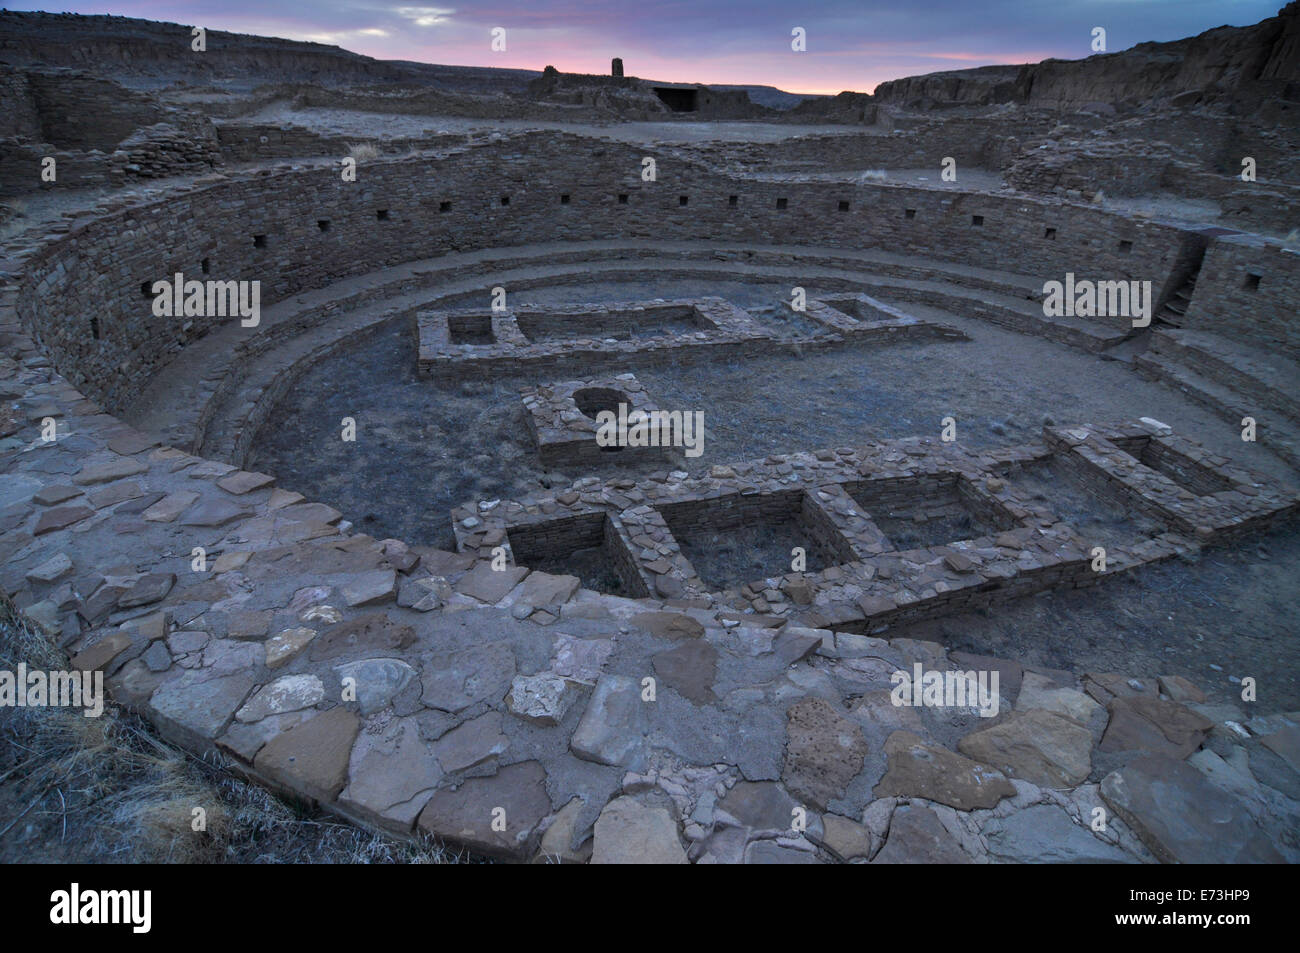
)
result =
(83, 299)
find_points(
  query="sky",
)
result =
(850, 44)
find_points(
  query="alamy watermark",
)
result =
(127, 907)
(946, 689)
(177, 297)
(55, 689)
(651, 428)
(1087, 299)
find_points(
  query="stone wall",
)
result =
(1116, 168)
(98, 132)
(1250, 206)
(78, 111)
(977, 141)
(268, 227)
(247, 142)
(1247, 290)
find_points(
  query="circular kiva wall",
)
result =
(85, 298)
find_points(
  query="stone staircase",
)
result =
(1175, 309)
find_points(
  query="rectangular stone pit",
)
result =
(734, 539)
(558, 340)
(1192, 476)
(591, 546)
(1197, 493)
(1058, 487)
(861, 317)
(463, 334)
(933, 510)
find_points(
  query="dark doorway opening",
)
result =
(678, 100)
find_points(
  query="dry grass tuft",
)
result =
(364, 152)
(93, 790)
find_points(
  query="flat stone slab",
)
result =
(1180, 689)
(369, 588)
(1154, 725)
(212, 513)
(489, 585)
(761, 806)
(917, 836)
(846, 838)
(99, 655)
(244, 481)
(194, 708)
(770, 852)
(612, 729)
(1182, 817)
(1045, 834)
(374, 632)
(391, 776)
(1038, 691)
(50, 495)
(544, 698)
(690, 670)
(471, 744)
(128, 444)
(455, 680)
(1037, 746)
(1285, 743)
(285, 646)
(580, 659)
(54, 568)
(289, 693)
(424, 593)
(544, 589)
(312, 757)
(668, 625)
(148, 589)
(112, 470)
(60, 517)
(824, 751)
(170, 506)
(917, 769)
(631, 832)
(376, 681)
(496, 816)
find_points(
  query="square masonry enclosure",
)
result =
(920, 512)
(1102, 512)
(732, 540)
(562, 419)
(862, 307)
(483, 341)
(474, 329)
(588, 546)
(1192, 476)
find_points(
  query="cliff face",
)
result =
(1233, 62)
(129, 48)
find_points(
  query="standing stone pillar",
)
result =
(616, 67)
